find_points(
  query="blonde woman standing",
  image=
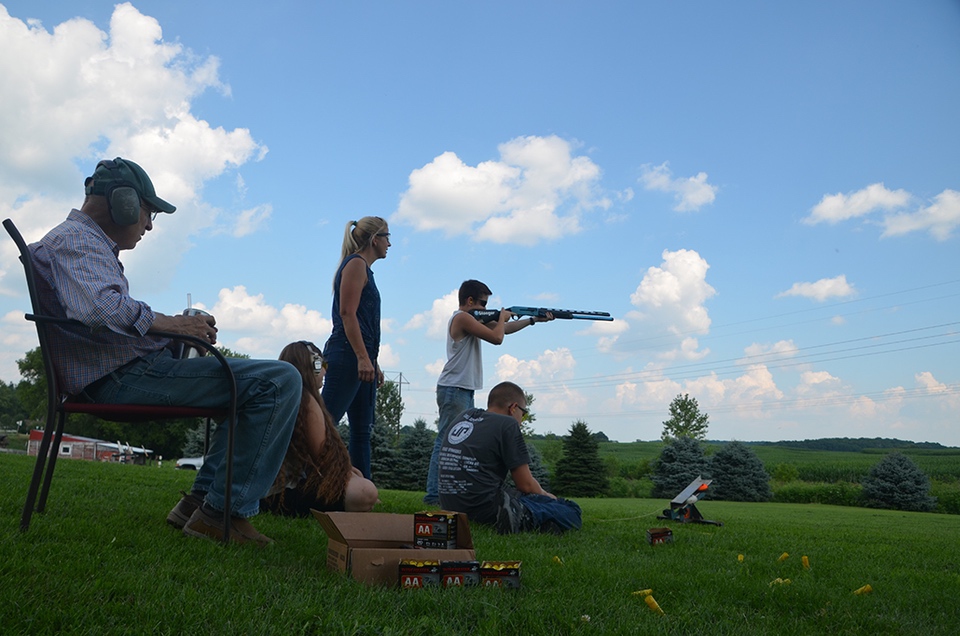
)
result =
(353, 374)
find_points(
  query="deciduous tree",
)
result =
(390, 408)
(686, 420)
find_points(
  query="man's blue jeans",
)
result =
(452, 401)
(343, 392)
(268, 397)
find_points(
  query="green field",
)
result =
(102, 561)
(814, 465)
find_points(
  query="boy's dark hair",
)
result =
(505, 394)
(472, 289)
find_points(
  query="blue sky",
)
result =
(764, 195)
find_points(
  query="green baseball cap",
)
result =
(123, 172)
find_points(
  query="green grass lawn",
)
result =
(101, 560)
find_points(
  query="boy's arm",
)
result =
(493, 332)
(526, 482)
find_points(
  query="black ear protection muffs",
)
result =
(123, 201)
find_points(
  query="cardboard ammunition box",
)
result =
(656, 536)
(436, 529)
(415, 574)
(459, 573)
(368, 546)
(500, 574)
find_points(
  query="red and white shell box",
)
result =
(369, 545)
(435, 529)
(416, 574)
(500, 574)
(459, 573)
(656, 536)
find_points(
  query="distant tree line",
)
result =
(400, 455)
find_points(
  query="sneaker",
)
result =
(550, 527)
(180, 514)
(512, 516)
(208, 524)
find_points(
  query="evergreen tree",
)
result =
(739, 475)
(681, 461)
(196, 439)
(686, 420)
(413, 457)
(897, 482)
(580, 472)
(537, 468)
(383, 456)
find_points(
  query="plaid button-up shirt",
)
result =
(80, 276)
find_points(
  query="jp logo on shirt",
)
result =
(460, 432)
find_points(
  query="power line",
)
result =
(773, 360)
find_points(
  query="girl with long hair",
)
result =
(316, 471)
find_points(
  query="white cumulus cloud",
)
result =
(940, 218)
(77, 94)
(550, 365)
(536, 191)
(690, 193)
(262, 330)
(673, 295)
(834, 208)
(435, 320)
(821, 290)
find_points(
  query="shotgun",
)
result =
(490, 315)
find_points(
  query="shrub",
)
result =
(947, 494)
(784, 472)
(624, 488)
(896, 482)
(840, 493)
(680, 462)
(738, 474)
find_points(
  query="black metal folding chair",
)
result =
(60, 405)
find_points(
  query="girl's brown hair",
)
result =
(327, 474)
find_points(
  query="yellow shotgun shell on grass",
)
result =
(784, 556)
(866, 589)
(652, 604)
(805, 561)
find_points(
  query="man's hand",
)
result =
(199, 326)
